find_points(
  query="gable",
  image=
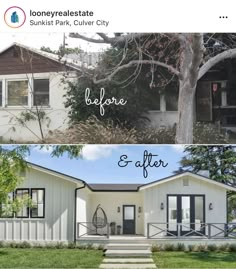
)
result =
(19, 60)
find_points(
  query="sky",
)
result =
(52, 40)
(99, 163)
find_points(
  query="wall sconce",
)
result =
(162, 206)
(210, 206)
(118, 209)
(139, 209)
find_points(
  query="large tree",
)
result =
(219, 161)
(194, 55)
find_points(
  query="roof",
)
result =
(129, 187)
(177, 176)
(114, 187)
(66, 61)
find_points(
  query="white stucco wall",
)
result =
(154, 196)
(10, 129)
(58, 224)
(110, 201)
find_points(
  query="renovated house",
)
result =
(65, 208)
(31, 88)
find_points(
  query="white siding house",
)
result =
(181, 205)
(31, 81)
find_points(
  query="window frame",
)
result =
(28, 209)
(31, 192)
(33, 93)
(6, 92)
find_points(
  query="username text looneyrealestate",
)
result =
(66, 18)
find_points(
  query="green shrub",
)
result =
(212, 247)
(50, 246)
(2, 244)
(201, 248)
(12, 245)
(60, 245)
(232, 247)
(100, 247)
(71, 245)
(223, 247)
(180, 247)
(156, 248)
(190, 248)
(169, 247)
(24, 244)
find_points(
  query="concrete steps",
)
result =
(127, 255)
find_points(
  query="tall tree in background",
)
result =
(220, 161)
(193, 55)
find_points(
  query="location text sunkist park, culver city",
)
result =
(63, 18)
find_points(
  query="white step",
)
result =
(128, 253)
(127, 266)
(128, 246)
(128, 260)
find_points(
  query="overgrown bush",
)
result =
(207, 133)
(232, 248)
(169, 247)
(223, 247)
(156, 248)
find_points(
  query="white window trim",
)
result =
(30, 80)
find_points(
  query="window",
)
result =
(152, 99)
(41, 92)
(38, 204)
(231, 94)
(17, 92)
(171, 96)
(24, 211)
(0, 93)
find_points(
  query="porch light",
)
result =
(210, 206)
(162, 206)
(139, 209)
(118, 209)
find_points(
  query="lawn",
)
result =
(178, 259)
(49, 258)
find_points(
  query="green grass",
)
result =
(195, 259)
(50, 258)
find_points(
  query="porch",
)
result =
(161, 233)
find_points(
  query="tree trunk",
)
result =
(184, 132)
(191, 58)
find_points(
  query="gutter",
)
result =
(75, 213)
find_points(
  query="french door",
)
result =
(189, 211)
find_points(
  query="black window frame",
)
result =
(31, 195)
(15, 195)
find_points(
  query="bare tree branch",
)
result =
(215, 60)
(137, 62)
(89, 39)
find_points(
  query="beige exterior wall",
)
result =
(110, 201)
(10, 129)
(58, 224)
(154, 196)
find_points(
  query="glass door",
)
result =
(188, 210)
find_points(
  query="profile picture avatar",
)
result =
(14, 17)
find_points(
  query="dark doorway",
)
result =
(129, 219)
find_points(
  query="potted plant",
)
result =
(118, 229)
(113, 227)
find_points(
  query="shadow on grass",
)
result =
(214, 257)
(3, 253)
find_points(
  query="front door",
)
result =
(129, 219)
(188, 210)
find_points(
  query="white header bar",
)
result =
(122, 16)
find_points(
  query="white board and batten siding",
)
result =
(58, 224)
(154, 196)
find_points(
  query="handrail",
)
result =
(88, 229)
(184, 230)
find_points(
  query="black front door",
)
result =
(188, 211)
(129, 219)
